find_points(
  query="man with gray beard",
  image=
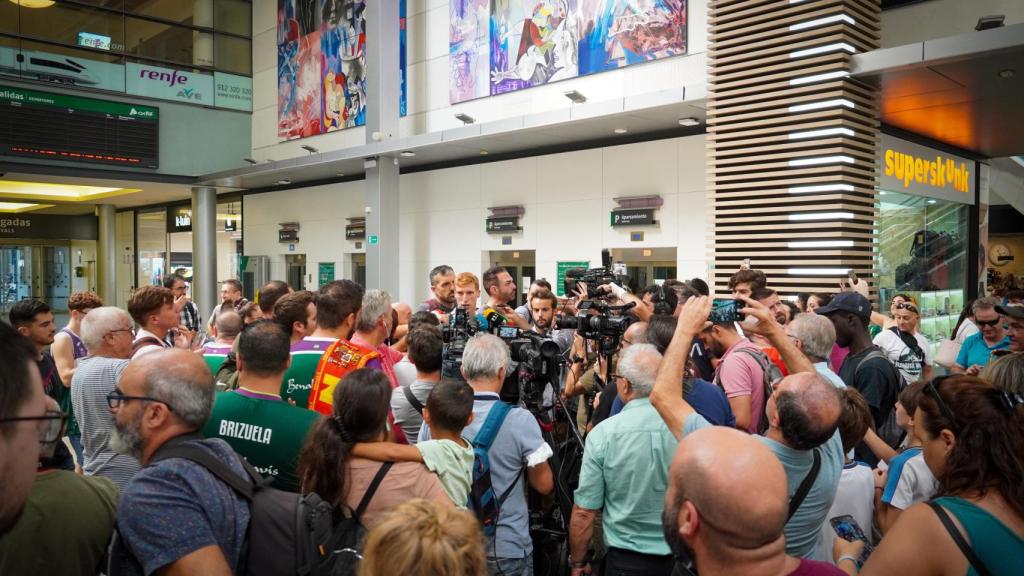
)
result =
(174, 514)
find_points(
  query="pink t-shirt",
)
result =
(838, 356)
(813, 568)
(388, 358)
(741, 375)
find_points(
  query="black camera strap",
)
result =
(416, 404)
(805, 487)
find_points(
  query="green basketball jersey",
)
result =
(214, 355)
(268, 432)
(298, 380)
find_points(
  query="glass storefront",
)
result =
(923, 252)
(163, 248)
(165, 49)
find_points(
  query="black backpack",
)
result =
(288, 533)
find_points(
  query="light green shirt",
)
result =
(625, 472)
(453, 465)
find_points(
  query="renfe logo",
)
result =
(172, 78)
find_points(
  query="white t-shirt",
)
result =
(915, 482)
(856, 497)
(405, 372)
(908, 363)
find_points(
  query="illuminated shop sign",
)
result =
(915, 169)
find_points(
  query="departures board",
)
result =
(53, 126)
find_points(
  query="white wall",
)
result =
(427, 81)
(567, 198)
(941, 18)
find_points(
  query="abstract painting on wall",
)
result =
(499, 46)
(321, 65)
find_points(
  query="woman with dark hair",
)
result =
(973, 441)
(327, 467)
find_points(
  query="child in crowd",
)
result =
(908, 479)
(448, 411)
(854, 495)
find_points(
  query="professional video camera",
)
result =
(455, 334)
(594, 278)
(539, 363)
(607, 327)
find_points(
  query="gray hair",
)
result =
(485, 355)
(99, 322)
(639, 364)
(817, 334)
(188, 391)
(987, 303)
(376, 303)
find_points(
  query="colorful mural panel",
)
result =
(534, 42)
(321, 59)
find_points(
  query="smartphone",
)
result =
(848, 529)
(726, 310)
(852, 276)
(746, 264)
(508, 332)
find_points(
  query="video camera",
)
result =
(455, 334)
(594, 278)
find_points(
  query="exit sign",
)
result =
(372, 240)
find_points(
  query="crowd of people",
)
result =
(805, 437)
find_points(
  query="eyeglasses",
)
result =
(54, 428)
(932, 389)
(115, 398)
(131, 331)
(988, 322)
(907, 306)
(617, 376)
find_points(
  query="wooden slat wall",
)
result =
(754, 80)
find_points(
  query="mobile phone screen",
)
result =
(848, 529)
(508, 332)
(726, 310)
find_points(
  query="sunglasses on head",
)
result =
(932, 390)
(907, 306)
(988, 322)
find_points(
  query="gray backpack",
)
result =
(772, 377)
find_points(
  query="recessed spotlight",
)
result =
(689, 121)
(1006, 73)
(407, 153)
(932, 201)
(620, 130)
(340, 174)
(284, 182)
(484, 152)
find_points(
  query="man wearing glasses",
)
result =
(174, 516)
(107, 333)
(977, 348)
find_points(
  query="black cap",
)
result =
(1012, 310)
(851, 302)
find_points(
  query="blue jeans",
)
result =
(510, 566)
(76, 443)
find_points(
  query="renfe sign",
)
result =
(168, 83)
(910, 167)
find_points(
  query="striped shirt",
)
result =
(95, 377)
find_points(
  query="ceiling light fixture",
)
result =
(309, 149)
(821, 216)
(67, 192)
(33, 3)
(822, 21)
(821, 188)
(484, 152)
(818, 77)
(284, 182)
(465, 118)
(340, 174)
(822, 244)
(984, 23)
(932, 201)
(689, 121)
(407, 153)
(822, 49)
(825, 132)
(18, 207)
(821, 160)
(817, 271)
(620, 131)
(1006, 73)
(575, 96)
(822, 104)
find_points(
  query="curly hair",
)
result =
(988, 425)
(84, 301)
(425, 538)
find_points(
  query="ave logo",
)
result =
(189, 94)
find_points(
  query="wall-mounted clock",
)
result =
(999, 254)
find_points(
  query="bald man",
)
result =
(174, 516)
(803, 417)
(734, 531)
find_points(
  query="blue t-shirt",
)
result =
(707, 399)
(517, 445)
(976, 351)
(175, 507)
(803, 529)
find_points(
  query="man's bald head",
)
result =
(178, 378)
(636, 333)
(702, 518)
(805, 407)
